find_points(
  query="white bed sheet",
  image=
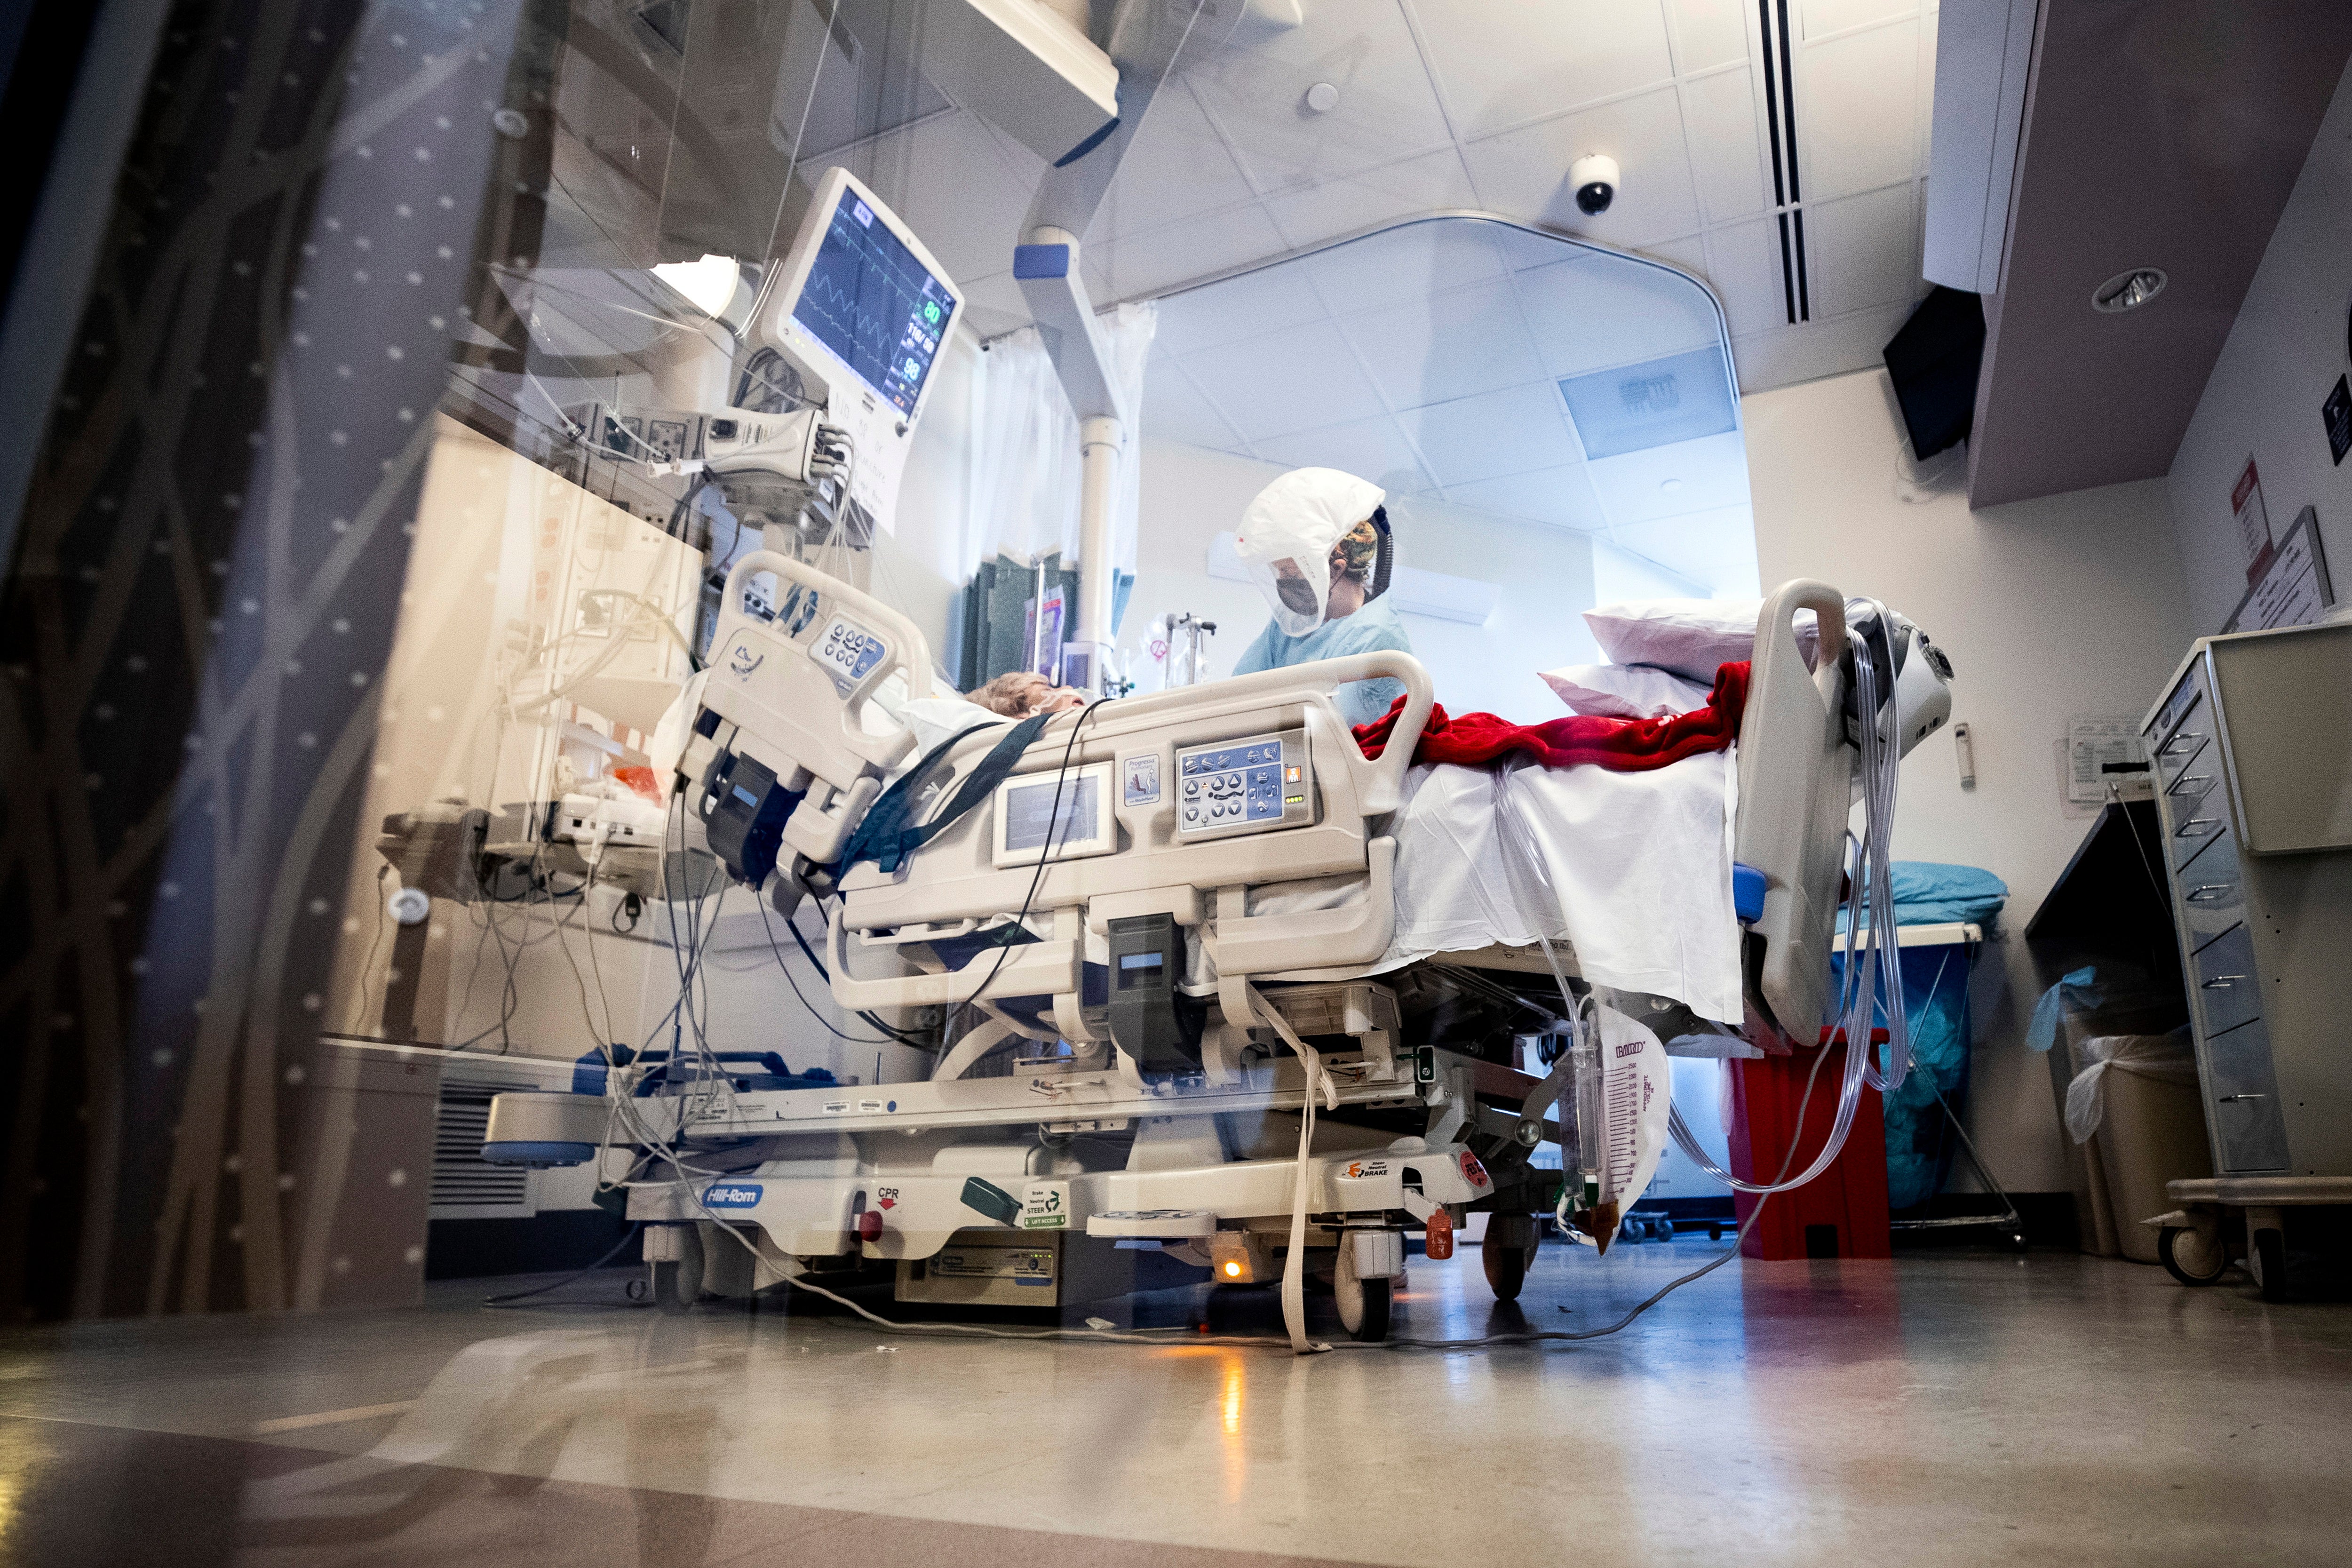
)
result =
(1642, 863)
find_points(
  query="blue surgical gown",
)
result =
(1373, 626)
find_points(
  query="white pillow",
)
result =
(1689, 636)
(1624, 690)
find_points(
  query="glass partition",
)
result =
(1473, 366)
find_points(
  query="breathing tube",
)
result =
(1871, 980)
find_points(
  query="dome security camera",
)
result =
(1594, 178)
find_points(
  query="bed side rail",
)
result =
(789, 690)
(954, 881)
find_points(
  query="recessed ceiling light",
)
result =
(2128, 290)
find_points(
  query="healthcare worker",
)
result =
(1316, 544)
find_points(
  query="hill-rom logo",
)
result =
(745, 661)
(731, 1196)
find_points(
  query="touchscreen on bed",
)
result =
(1029, 807)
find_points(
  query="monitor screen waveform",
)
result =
(867, 299)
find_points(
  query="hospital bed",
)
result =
(1181, 1033)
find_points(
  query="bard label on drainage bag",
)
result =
(731, 1196)
(991, 1200)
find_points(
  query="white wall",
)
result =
(1544, 577)
(2074, 605)
(2264, 397)
(916, 566)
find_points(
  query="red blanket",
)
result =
(1620, 745)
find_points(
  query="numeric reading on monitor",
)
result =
(873, 304)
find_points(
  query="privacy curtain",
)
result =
(1024, 458)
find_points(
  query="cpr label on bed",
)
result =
(1045, 1205)
(731, 1196)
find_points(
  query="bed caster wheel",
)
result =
(1632, 1231)
(1363, 1303)
(2268, 1262)
(1506, 1268)
(2190, 1258)
(1509, 1248)
(1714, 1231)
(677, 1283)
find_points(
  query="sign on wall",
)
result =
(2253, 522)
(2293, 589)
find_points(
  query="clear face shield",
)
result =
(1297, 587)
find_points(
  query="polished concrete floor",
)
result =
(1945, 1408)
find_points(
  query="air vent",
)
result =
(461, 1177)
(1655, 404)
(1787, 190)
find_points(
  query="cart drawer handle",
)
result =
(2186, 737)
(2180, 783)
(2233, 1098)
(2223, 981)
(2195, 894)
(2210, 825)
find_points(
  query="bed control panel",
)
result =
(1252, 784)
(847, 652)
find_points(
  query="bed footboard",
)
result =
(1796, 790)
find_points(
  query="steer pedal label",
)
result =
(1045, 1205)
(731, 1196)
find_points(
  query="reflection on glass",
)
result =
(1472, 366)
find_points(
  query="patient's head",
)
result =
(1022, 692)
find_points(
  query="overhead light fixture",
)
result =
(2128, 290)
(709, 285)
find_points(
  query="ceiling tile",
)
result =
(1745, 268)
(1255, 94)
(1177, 167)
(994, 305)
(1561, 496)
(1726, 157)
(1175, 410)
(1301, 379)
(1862, 252)
(948, 180)
(1525, 172)
(1807, 353)
(1858, 112)
(1245, 307)
(1405, 265)
(1709, 32)
(1431, 182)
(1602, 310)
(1513, 431)
(1524, 248)
(1690, 255)
(1669, 481)
(1499, 66)
(1374, 449)
(1716, 550)
(1450, 345)
(1136, 265)
(1822, 17)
